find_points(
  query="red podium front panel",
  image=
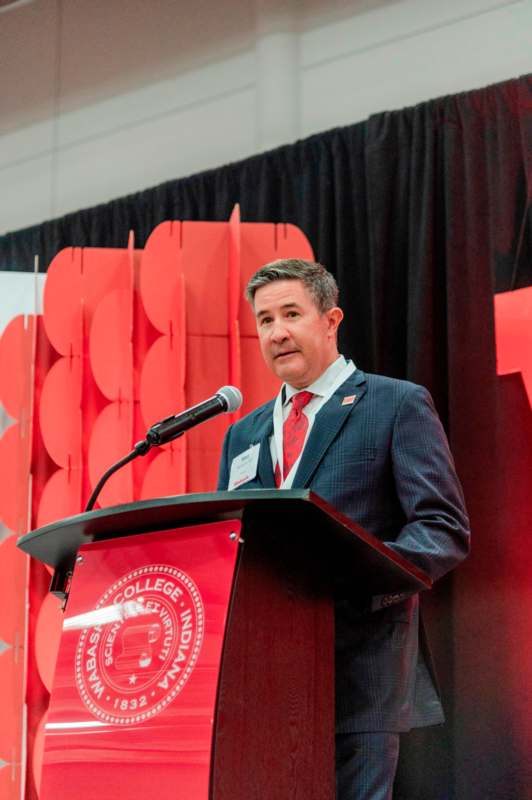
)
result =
(132, 707)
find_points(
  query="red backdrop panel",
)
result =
(12, 602)
(60, 412)
(513, 321)
(76, 281)
(167, 473)
(160, 277)
(162, 380)
(47, 636)
(13, 574)
(14, 478)
(513, 325)
(205, 269)
(16, 345)
(110, 345)
(110, 440)
(9, 783)
(258, 385)
(60, 497)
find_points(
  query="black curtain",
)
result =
(422, 214)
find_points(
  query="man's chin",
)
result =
(289, 375)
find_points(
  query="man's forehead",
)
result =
(280, 294)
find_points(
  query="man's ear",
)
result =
(334, 317)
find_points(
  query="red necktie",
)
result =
(294, 432)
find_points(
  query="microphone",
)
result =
(227, 399)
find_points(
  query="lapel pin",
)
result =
(349, 400)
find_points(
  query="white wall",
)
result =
(102, 98)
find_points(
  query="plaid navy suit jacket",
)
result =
(384, 461)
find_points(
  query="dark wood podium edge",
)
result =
(56, 544)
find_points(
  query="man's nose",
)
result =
(278, 331)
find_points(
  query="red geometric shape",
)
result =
(207, 371)
(47, 636)
(199, 251)
(161, 380)
(111, 439)
(9, 782)
(166, 475)
(38, 752)
(15, 365)
(76, 280)
(110, 345)
(11, 680)
(202, 469)
(513, 329)
(60, 412)
(206, 272)
(208, 365)
(13, 575)
(160, 272)
(61, 302)
(60, 497)
(14, 478)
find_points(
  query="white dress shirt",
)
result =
(323, 388)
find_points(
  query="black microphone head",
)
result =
(232, 397)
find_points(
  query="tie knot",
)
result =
(301, 399)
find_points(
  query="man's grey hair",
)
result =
(319, 282)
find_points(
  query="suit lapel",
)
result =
(329, 420)
(262, 430)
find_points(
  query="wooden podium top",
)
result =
(379, 567)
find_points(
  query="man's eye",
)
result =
(292, 314)
(264, 320)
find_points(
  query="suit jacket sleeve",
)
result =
(436, 534)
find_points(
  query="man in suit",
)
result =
(374, 448)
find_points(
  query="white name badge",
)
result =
(244, 467)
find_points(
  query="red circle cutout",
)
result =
(47, 636)
(13, 570)
(161, 282)
(15, 365)
(11, 681)
(60, 497)
(14, 477)
(161, 381)
(110, 345)
(60, 412)
(111, 439)
(62, 310)
(166, 475)
(9, 783)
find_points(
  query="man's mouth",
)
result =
(285, 353)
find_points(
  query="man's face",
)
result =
(297, 341)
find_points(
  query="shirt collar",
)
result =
(320, 385)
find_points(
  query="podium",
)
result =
(197, 655)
